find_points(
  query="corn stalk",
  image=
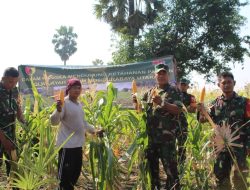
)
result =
(102, 112)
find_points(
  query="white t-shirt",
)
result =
(71, 120)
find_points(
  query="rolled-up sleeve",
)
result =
(55, 118)
(89, 128)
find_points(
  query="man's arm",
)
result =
(92, 130)
(56, 116)
(200, 110)
(173, 108)
(20, 116)
(192, 107)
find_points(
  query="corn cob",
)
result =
(202, 97)
(134, 87)
(139, 107)
(134, 92)
(61, 97)
(154, 93)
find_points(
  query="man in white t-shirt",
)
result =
(70, 117)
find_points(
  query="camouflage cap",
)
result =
(161, 67)
(184, 81)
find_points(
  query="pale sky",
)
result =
(27, 28)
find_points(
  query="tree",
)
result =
(97, 62)
(65, 42)
(202, 35)
(128, 16)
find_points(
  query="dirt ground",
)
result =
(85, 181)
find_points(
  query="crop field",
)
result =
(116, 161)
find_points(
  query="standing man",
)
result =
(234, 110)
(71, 119)
(189, 102)
(10, 109)
(163, 107)
(188, 99)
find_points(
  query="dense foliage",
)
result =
(128, 17)
(202, 35)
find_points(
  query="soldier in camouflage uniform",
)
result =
(9, 111)
(188, 99)
(232, 109)
(163, 107)
(189, 102)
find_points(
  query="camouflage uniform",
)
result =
(163, 130)
(187, 99)
(234, 112)
(8, 111)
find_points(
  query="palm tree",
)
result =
(97, 62)
(128, 16)
(65, 42)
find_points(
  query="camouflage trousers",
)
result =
(225, 166)
(181, 150)
(168, 155)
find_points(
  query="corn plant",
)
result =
(114, 159)
(101, 111)
(36, 167)
(136, 152)
(198, 168)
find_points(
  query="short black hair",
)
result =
(225, 74)
(11, 72)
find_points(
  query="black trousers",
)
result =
(69, 167)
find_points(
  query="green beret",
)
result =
(184, 81)
(161, 67)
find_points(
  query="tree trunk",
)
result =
(64, 62)
(131, 7)
(131, 42)
(131, 45)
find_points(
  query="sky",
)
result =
(28, 26)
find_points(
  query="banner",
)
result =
(50, 79)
